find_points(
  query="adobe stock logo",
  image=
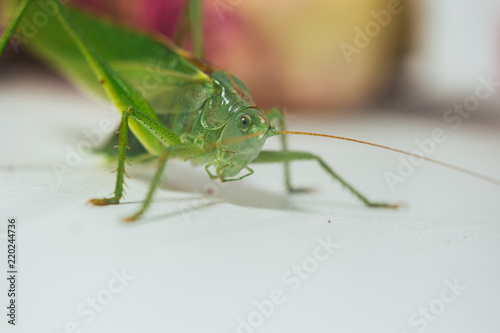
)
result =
(429, 313)
(453, 118)
(293, 277)
(89, 309)
(363, 37)
(74, 156)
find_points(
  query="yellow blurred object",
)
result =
(301, 54)
(309, 54)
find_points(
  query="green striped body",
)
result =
(187, 95)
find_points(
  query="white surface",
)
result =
(199, 269)
(456, 41)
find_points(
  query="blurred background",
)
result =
(339, 55)
(386, 71)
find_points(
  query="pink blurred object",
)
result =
(152, 15)
(287, 52)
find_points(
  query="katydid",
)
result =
(197, 112)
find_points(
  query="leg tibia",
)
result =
(120, 171)
(152, 189)
(276, 115)
(287, 156)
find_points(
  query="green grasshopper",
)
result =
(198, 112)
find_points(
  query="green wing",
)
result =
(163, 73)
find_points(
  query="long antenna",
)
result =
(468, 172)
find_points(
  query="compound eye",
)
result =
(244, 122)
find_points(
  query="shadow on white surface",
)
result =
(248, 257)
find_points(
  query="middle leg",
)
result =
(287, 156)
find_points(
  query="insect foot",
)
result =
(301, 190)
(132, 218)
(383, 205)
(104, 201)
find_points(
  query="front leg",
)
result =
(152, 188)
(287, 156)
(163, 134)
(183, 151)
(120, 170)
